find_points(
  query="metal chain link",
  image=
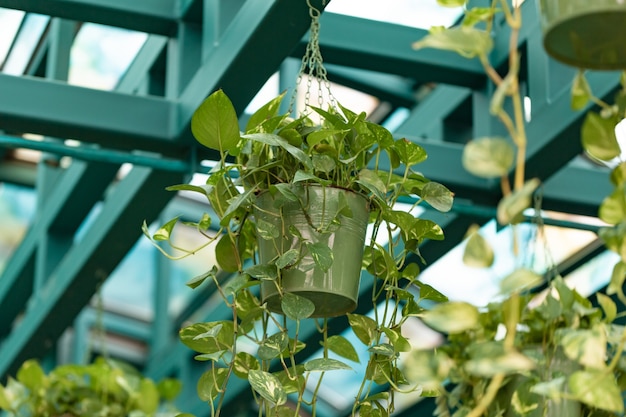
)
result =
(312, 65)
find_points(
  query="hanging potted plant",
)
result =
(344, 174)
(104, 388)
(585, 34)
(553, 354)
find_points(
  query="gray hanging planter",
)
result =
(325, 218)
(585, 33)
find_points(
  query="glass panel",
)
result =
(101, 54)
(26, 43)
(10, 21)
(420, 14)
(479, 286)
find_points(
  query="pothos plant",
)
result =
(518, 355)
(103, 388)
(287, 159)
(599, 140)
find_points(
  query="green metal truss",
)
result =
(195, 47)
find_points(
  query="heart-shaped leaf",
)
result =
(214, 123)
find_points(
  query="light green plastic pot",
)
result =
(585, 33)
(335, 291)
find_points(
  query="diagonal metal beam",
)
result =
(251, 49)
(141, 195)
(60, 110)
(386, 48)
(154, 16)
(72, 195)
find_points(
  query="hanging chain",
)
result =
(312, 66)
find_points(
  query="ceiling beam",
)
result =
(77, 190)
(250, 50)
(154, 16)
(111, 235)
(112, 119)
(386, 47)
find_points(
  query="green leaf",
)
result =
(263, 272)
(488, 157)
(585, 346)
(286, 191)
(210, 383)
(451, 3)
(608, 306)
(438, 196)
(506, 363)
(321, 254)
(511, 208)
(302, 176)
(478, 14)
(597, 389)
(363, 327)
(399, 342)
(467, 41)
(214, 123)
(581, 92)
(325, 364)
(613, 207)
(224, 340)
(477, 252)
(273, 346)
(267, 386)
(617, 279)
(169, 388)
(598, 137)
(372, 182)
(287, 259)
(149, 396)
(236, 203)
(31, 375)
(521, 279)
(410, 153)
(427, 292)
(275, 140)
(342, 347)
(452, 317)
(296, 307)
(226, 253)
(266, 112)
(244, 363)
(164, 233)
(266, 230)
(196, 281)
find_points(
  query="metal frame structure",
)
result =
(193, 48)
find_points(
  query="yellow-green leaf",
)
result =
(598, 137)
(488, 157)
(452, 317)
(581, 92)
(214, 123)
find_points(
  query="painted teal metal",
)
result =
(154, 16)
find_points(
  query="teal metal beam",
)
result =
(89, 261)
(70, 201)
(426, 119)
(154, 16)
(250, 50)
(386, 48)
(110, 118)
(136, 75)
(97, 154)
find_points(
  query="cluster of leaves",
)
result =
(599, 140)
(510, 349)
(103, 388)
(280, 156)
(564, 349)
